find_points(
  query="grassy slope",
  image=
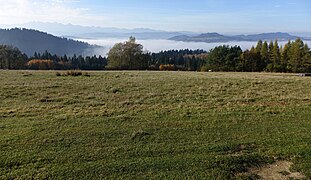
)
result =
(151, 124)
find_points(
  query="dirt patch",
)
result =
(277, 171)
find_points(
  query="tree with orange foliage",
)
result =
(38, 64)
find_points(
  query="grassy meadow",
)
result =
(141, 125)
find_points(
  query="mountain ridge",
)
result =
(30, 41)
(216, 37)
(99, 32)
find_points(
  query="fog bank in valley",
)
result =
(156, 45)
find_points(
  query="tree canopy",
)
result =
(128, 55)
(224, 58)
(11, 58)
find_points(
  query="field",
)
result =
(142, 125)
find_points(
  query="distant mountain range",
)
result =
(92, 32)
(31, 41)
(215, 37)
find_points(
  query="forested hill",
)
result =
(31, 41)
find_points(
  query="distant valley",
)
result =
(70, 39)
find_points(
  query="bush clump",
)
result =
(73, 73)
(167, 67)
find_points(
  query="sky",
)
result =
(226, 16)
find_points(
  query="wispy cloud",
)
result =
(22, 11)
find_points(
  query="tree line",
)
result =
(294, 56)
(13, 58)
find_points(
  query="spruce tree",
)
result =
(259, 46)
(275, 57)
(296, 54)
(264, 53)
(285, 57)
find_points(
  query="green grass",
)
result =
(143, 125)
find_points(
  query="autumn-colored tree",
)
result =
(167, 67)
(38, 64)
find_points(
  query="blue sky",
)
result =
(226, 16)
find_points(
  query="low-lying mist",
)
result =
(156, 45)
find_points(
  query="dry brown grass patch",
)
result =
(279, 170)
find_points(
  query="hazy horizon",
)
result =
(58, 32)
(201, 16)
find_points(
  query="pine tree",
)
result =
(295, 56)
(274, 66)
(264, 53)
(11, 58)
(270, 50)
(35, 56)
(306, 61)
(259, 46)
(285, 57)
(271, 45)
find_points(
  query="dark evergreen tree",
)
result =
(11, 58)
(224, 58)
(264, 53)
(274, 65)
(285, 57)
(259, 46)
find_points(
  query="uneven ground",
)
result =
(152, 124)
(279, 170)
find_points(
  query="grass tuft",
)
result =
(73, 73)
(139, 134)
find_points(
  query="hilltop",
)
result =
(30, 41)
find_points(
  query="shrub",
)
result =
(73, 73)
(167, 67)
(153, 67)
(114, 90)
(86, 74)
(205, 69)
